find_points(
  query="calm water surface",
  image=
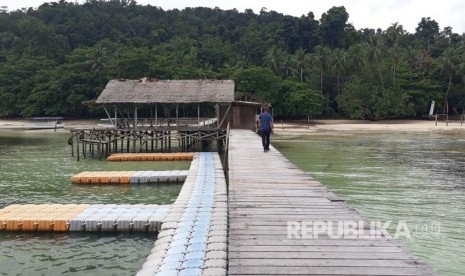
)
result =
(35, 168)
(416, 178)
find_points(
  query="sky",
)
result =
(362, 13)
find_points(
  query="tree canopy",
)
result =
(56, 56)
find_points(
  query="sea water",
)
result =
(416, 179)
(35, 168)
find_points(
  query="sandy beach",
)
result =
(336, 126)
(18, 124)
(302, 127)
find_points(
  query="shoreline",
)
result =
(299, 127)
(328, 126)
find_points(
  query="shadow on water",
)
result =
(9, 140)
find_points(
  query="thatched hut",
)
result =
(173, 100)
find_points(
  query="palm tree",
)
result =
(395, 55)
(98, 59)
(320, 57)
(448, 65)
(374, 55)
(394, 33)
(300, 58)
(288, 65)
(339, 64)
(274, 59)
(356, 56)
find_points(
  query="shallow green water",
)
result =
(35, 167)
(416, 178)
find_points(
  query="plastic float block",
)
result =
(190, 272)
(77, 224)
(13, 224)
(192, 263)
(140, 224)
(124, 223)
(44, 224)
(108, 224)
(60, 224)
(29, 224)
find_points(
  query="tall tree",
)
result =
(395, 59)
(356, 56)
(275, 59)
(321, 59)
(427, 30)
(333, 24)
(301, 59)
(394, 33)
(339, 63)
(374, 57)
(448, 63)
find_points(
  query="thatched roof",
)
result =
(167, 91)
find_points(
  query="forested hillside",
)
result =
(57, 56)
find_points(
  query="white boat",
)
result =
(44, 123)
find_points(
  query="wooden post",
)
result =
(217, 106)
(177, 116)
(128, 141)
(135, 129)
(436, 120)
(77, 146)
(152, 133)
(198, 115)
(169, 141)
(116, 118)
(72, 144)
(156, 140)
(156, 115)
(122, 143)
(114, 136)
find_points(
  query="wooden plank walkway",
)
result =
(266, 191)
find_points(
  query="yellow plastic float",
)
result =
(179, 156)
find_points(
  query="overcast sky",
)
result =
(362, 13)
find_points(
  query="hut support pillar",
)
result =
(177, 115)
(116, 117)
(156, 115)
(77, 146)
(135, 129)
(198, 115)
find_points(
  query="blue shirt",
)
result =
(265, 119)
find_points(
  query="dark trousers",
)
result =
(266, 138)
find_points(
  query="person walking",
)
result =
(265, 125)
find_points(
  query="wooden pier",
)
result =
(267, 192)
(184, 111)
(101, 142)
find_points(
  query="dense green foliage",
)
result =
(57, 56)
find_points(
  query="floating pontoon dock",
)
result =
(193, 237)
(179, 156)
(82, 217)
(130, 177)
